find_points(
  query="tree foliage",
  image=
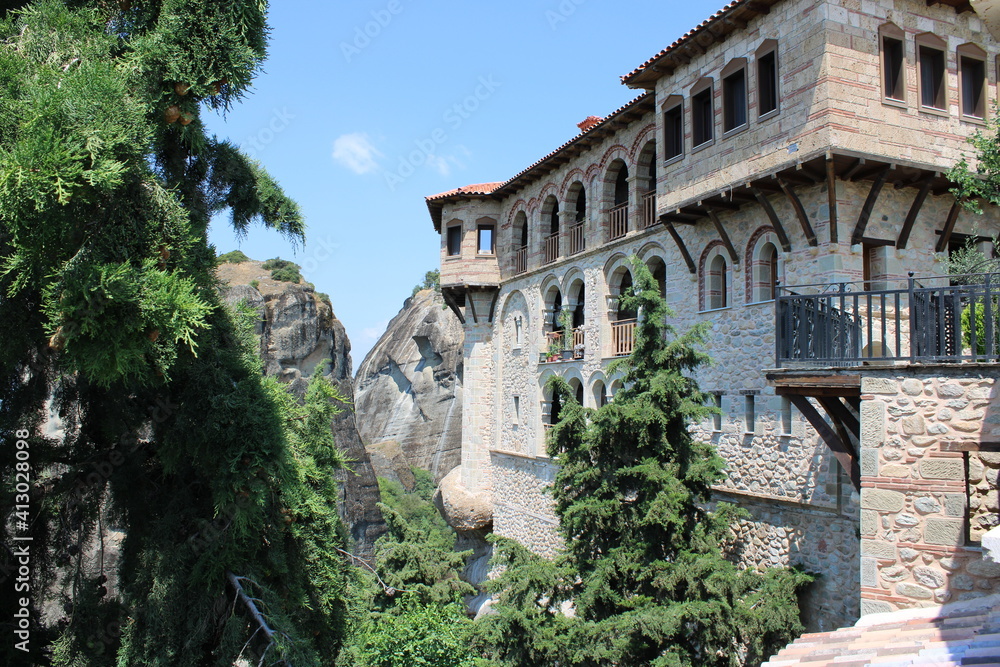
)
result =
(432, 280)
(160, 426)
(643, 567)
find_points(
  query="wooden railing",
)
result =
(576, 242)
(622, 338)
(578, 343)
(619, 221)
(551, 247)
(648, 210)
(520, 260)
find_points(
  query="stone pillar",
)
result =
(478, 407)
(917, 428)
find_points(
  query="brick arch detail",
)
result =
(761, 234)
(641, 139)
(702, 263)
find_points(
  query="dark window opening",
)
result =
(579, 393)
(701, 117)
(554, 218)
(524, 236)
(621, 186)
(581, 205)
(625, 290)
(578, 312)
(555, 409)
(767, 83)
(932, 67)
(673, 122)
(454, 241)
(892, 64)
(485, 239)
(973, 87)
(734, 100)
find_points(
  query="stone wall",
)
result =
(920, 429)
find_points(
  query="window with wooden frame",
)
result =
(932, 65)
(485, 241)
(892, 47)
(767, 78)
(673, 127)
(454, 244)
(702, 113)
(972, 81)
(734, 95)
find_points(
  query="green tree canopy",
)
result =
(643, 567)
(113, 332)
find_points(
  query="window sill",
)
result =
(769, 115)
(703, 145)
(481, 255)
(452, 258)
(934, 111)
(673, 160)
(893, 102)
(715, 310)
(974, 120)
(760, 303)
(736, 130)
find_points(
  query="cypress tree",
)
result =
(643, 568)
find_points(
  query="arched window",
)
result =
(718, 283)
(617, 191)
(658, 268)
(550, 227)
(715, 280)
(763, 269)
(647, 177)
(520, 238)
(600, 394)
(577, 198)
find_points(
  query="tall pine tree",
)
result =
(112, 330)
(643, 567)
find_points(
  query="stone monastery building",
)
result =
(782, 175)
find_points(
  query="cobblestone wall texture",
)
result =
(916, 432)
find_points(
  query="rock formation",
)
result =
(298, 330)
(409, 389)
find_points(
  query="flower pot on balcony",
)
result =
(567, 355)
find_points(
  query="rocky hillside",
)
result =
(409, 389)
(299, 330)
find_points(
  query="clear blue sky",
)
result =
(355, 115)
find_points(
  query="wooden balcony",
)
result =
(576, 239)
(551, 248)
(622, 338)
(920, 320)
(648, 210)
(520, 260)
(578, 343)
(619, 222)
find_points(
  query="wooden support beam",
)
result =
(831, 195)
(724, 236)
(853, 169)
(680, 244)
(911, 217)
(949, 227)
(724, 204)
(841, 450)
(779, 230)
(449, 299)
(841, 415)
(800, 211)
(471, 304)
(813, 175)
(493, 304)
(866, 210)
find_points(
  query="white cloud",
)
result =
(356, 152)
(439, 163)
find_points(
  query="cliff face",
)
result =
(409, 389)
(299, 330)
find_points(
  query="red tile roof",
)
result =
(961, 633)
(474, 189)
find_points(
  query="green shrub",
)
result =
(980, 315)
(255, 284)
(278, 263)
(234, 257)
(287, 275)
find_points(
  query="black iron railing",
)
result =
(923, 320)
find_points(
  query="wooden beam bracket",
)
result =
(949, 226)
(779, 230)
(911, 217)
(841, 450)
(866, 210)
(680, 244)
(800, 211)
(723, 235)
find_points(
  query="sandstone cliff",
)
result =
(409, 389)
(298, 330)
